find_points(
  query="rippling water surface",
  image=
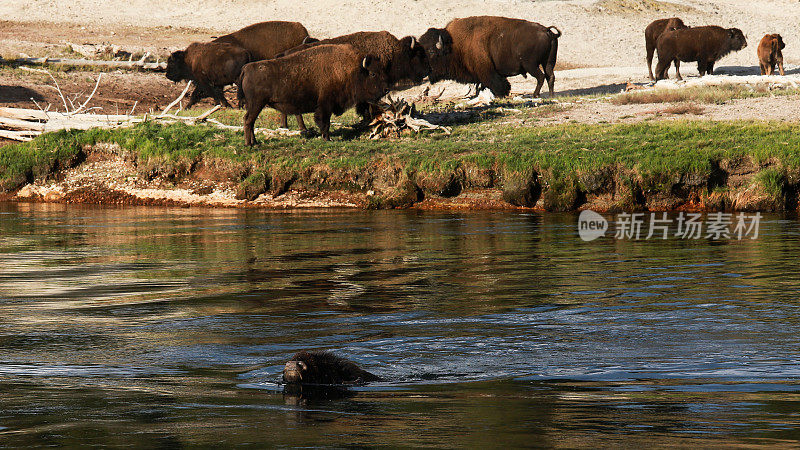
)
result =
(151, 326)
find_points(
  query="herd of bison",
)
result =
(277, 64)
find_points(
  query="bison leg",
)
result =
(539, 75)
(198, 94)
(499, 86)
(677, 69)
(284, 121)
(651, 49)
(662, 68)
(323, 121)
(780, 65)
(253, 110)
(710, 68)
(763, 68)
(300, 123)
(219, 96)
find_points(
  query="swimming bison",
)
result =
(486, 50)
(706, 45)
(325, 80)
(324, 368)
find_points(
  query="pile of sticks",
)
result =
(397, 116)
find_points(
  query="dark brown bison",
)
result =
(212, 66)
(402, 59)
(265, 40)
(486, 50)
(324, 368)
(651, 34)
(770, 55)
(262, 40)
(706, 45)
(325, 80)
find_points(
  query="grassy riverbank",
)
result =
(653, 165)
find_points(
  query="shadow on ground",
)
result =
(14, 94)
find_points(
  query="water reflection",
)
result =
(170, 327)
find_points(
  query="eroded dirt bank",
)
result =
(106, 174)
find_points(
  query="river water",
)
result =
(169, 327)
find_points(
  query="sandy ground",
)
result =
(602, 33)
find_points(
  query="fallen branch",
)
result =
(157, 66)
(177, 100)
(22, 136)
(80, 108)
(397, 116)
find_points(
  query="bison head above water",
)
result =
(176, 67)
(438, 45)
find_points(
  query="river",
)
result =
(169, 327)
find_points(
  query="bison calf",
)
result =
(652, 33)
(486, 50)
(325, 80)
(770, 55)
(212, 66)
(706, 45)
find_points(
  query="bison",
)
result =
(315, 367)
(486, 50)
(325, 79)
(770, 55)
(706, 45)
(651, 34)
(402, 60)
(210, 64)
(265, 40)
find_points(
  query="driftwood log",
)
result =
(140, 64)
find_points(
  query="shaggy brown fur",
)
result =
(262, 40)
(265, 40)
(651, 34)
(402, 59)
(706, 45)
(325, 80)
(324, 368)
(212, 66)
(770, 55)
(487, 49)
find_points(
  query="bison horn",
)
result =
(364, 62)
(413, 42)
(440, 43)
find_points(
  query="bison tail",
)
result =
(549, 68)
(555, 31)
